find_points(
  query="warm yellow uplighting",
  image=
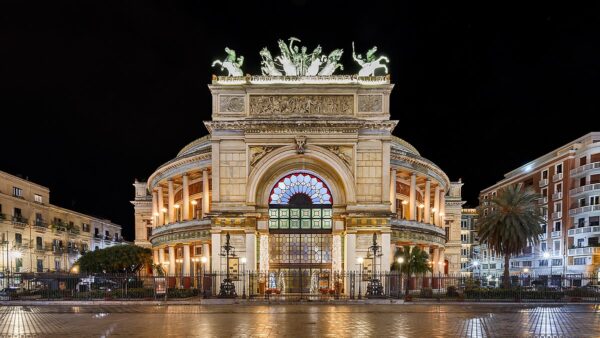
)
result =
(75, 269)
(156, 214)
(176, 206)
(204, 259)
(163, 209)
(404, 202)
(421, 206)
(194, 202)
(526, 270)
(433, 209)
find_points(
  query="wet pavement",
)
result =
(300, 320)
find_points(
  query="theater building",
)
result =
(300, 171)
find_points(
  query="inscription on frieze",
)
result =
(370, 103)
(264, 105)
(231, 103)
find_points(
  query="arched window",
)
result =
(300, 201)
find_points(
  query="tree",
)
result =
(115, 259)
(415, 261)
(512, 222)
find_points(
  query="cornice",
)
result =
(308, 126)
(422, 164)
(177, 165)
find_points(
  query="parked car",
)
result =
(12, 290)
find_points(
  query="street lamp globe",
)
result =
(475, 263)
(359, 260)
(400, 260)
(546, 254)
(204, 259)
(243, 260)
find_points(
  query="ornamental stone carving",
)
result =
(231, 103)
(258, 152)
(300, 142)
(343, 152)
(261, 105)
(370, 103)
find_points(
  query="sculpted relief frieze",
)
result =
(370, 103)
(231, 103)
(264, 105)
(258, 152)
(343, 152)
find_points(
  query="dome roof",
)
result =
(200, 145)
(405, 146)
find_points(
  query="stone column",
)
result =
(186, 259)
(186, 199)
(171, 201)
(264, 253)
(393, 190)
(436, 205)
(427, 202)
(171, 260)
(161, 256)
(215, 241)
(250, 251)
(386, 257)
(206, 253)
(336, 253)
(155, 256)
(442, 208)
(412, 197)
(350, 264)
(155, 210)
(205, 193)
(442, 259)
(161, 205)
(436, 268)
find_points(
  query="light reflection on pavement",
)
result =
(415, 320)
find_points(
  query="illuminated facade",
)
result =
(568, 181)
(37, 236)
(301, 171)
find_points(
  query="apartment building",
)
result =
(37, 236)
(568, 182)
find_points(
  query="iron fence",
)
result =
(297, 285)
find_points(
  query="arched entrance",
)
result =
(300, 234)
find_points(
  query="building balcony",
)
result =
(543, 182)
(543, 200)
(40, 225)
(590, 250)
(557, 177)
(180, 225)
(2, 217)
(588, 187)
(557, 196)
(556, 234)
(557, 215)
(418, 226)
(581, 210)
(584, 230)
(19, 221)
(585, 168)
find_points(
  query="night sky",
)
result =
(94, 94)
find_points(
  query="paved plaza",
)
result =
(414, 320)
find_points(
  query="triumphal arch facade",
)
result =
(301, 169)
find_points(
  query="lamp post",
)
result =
(179, 261)
(195, 260)
(374, 287)
(404, 204)
(194, 203)
(165, 215)
(204, 260)
(400, 260)
(177, 215)
(227, 289)
(549, 261)
(440, 267)
(243, 260)
(525, 271)
(359, 260)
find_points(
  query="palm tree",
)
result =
(513, 221)
(415, 261)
